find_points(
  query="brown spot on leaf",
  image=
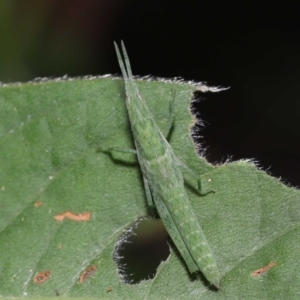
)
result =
(87, 273)
(38, 203)
(59, 217)
(41, 277)
(86, 216)
(263, 269)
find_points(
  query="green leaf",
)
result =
(49, 136)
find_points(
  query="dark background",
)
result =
(252, 47)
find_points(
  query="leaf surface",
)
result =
(50, 133)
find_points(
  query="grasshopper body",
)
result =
(164, 183)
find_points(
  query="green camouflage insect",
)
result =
(164, 183)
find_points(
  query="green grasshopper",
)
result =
(163, 181)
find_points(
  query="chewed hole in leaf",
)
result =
(141, 249)
(203, 131)
(237, 130)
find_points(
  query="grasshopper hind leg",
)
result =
(171, 118)
(149, 197)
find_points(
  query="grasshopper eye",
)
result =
(141, 249)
